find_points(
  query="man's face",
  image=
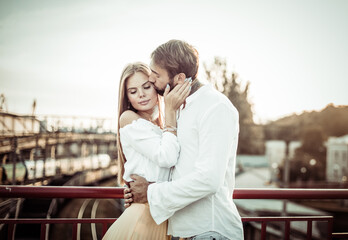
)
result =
(159, 77)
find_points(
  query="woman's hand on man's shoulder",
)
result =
(127, 117)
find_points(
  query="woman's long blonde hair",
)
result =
(124, 105)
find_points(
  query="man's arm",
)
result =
(137, 192)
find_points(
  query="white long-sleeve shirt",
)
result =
(199, 197)
(149, 152)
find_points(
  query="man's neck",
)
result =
(195, 86)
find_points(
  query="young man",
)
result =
(198, 199)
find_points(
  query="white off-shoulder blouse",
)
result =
(149, 151)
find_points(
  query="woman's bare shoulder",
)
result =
(127, 117)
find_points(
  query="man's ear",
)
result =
(179, 78)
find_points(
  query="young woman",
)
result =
(147, 146)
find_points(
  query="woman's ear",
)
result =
(179, 78)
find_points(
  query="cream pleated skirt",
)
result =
(136, 223)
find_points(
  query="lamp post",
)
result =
(286, 133)
(286, 173)
(312, 164)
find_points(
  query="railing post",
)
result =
(286, 177)
(309, 230)
(74, 232)
(105, 228)
(329, 228)
(263, 230)
(43, 231)
(10, 231)
(287, 230)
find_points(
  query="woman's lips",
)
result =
(144, 102)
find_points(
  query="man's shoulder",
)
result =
(214, 97)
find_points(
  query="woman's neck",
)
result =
(147, 115)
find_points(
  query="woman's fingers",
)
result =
(184, 90)
(180, 89)
(176, 97)
(166, 90)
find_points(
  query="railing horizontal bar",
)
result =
(280, 219)
(10, 191)
(111, 220)
(340, 235)
(57, 220)
(290, 193)
(60, 192)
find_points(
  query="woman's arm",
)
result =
(161, 149)
(173, 100)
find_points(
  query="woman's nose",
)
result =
(141, 93)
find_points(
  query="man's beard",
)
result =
(161, 91)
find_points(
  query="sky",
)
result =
(68, 55)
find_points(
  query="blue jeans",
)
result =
(209, 236)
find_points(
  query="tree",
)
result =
(332, 120)
(250, 134)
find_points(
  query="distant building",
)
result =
(14, 124)
(337, 159)
(275, 150)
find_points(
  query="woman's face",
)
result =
(140, 92)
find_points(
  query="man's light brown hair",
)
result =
(176, 57)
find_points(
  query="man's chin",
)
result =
(160, 92)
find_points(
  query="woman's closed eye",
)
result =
(148, 85)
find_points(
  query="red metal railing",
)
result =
(43, 222)
(287, 220)
(113, 192)
(9, 191)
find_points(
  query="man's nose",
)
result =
(151, 79)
